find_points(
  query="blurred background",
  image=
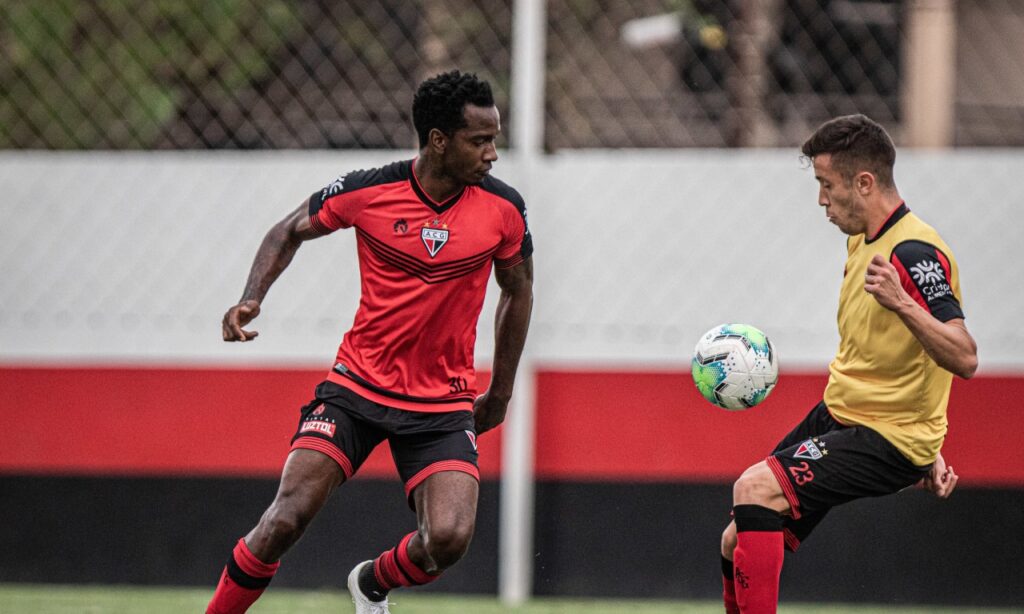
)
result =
(147, 146)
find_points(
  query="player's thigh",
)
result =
(337, 430)
(440, 443)
(446, 504)
(758, 485)
(840, 466)
(307, 480)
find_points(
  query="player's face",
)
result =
(844, 207)
(471, 150)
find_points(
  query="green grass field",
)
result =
(61, 599)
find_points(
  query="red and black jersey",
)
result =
(424, 269)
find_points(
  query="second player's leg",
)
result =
(756, 542)
(752, 544)
(758, 486)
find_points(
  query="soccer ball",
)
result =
(734, 366)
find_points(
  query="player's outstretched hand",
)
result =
(941, 480)
(883, 282)
(237, 317)
(488, 412)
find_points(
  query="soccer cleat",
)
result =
(363, 603)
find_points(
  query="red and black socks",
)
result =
(242, 582)
(393, 568)
(729, 588)
(757, 559)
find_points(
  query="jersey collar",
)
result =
(425, 198)
(896, 215)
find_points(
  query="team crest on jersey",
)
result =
(810, 449)
(472, 438)
(434, 239)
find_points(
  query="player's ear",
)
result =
(864, 182)
(437, 140)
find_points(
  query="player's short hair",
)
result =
(857, 143)
(440, 100)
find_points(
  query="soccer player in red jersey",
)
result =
(429, 232)
(882, 421)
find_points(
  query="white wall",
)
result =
(116, 257)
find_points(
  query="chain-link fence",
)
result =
(237, 74)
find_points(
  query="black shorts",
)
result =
(347, 427)
(821, 464)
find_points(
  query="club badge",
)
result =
(434, 239)
(812, 449)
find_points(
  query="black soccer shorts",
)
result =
(347, 427)
(821, 464)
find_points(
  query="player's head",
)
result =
(457, 123)
(856, 144)
(853, 158)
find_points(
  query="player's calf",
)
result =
(757, 558)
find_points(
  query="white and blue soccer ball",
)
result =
(735, 366)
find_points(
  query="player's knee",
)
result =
(756, 486)
(285, 524)
(729, 541)
(446, 544)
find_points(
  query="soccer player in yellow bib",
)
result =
(880, 426)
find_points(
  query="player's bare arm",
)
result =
(511, 322)
(949, 344)
(272, 258)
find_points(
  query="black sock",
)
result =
(369, 585)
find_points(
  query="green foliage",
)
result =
(112, 73)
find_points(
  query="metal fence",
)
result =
(237, 74)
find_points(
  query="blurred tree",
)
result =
(110, 74)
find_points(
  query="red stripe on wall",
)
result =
(614, 425)
(165, 421)
(656, 426)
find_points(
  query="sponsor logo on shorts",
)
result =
(809, 449)
(472, 438)
(318, 410)
(318, 426)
